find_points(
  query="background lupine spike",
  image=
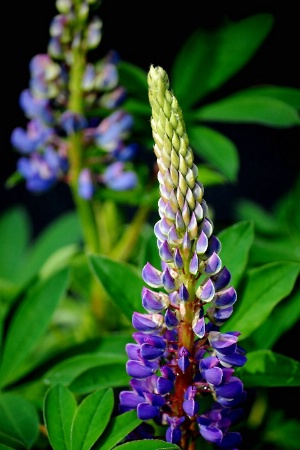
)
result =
(195, 359)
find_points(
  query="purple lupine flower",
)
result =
(186, 357)
(59, 105)
(118, 179)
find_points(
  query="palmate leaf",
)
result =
(217, 55)
(248, 108)
(91, 419)
(265, 287)
(118, 428)
(122, 281)
(19, 422)
(59, 409)
(265, 368)
(29, 322)
(216, 149)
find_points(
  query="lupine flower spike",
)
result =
(76, 131)
(182, 366)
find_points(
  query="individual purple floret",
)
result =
(73, 106)
(181, 357)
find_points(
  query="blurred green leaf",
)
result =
(50, 240)
(122, 281)
(216, 149)
(217, 55)
(19, 421)
(14, 237)
(247, 109)
(91, 419)
(264, 221)
(282, 431)
(148, 249)
(29, 322)
(114, 375)
(68, 370)
(209, 176)
(148, 445)
(285, 94)
(137, 107)
(265, 368)
(117, 430)
(10, 443)
(59, 409)
(282, 317)
(236, 243)
(5, 447)
(267, 250)
(134, 79)
(265, 287)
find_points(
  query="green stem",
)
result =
(84, 208)
(126, 243)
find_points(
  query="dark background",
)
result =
(151, 33)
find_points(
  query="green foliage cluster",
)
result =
(60, 369)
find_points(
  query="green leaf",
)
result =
(247, 109)
(267, 333)
(29, 323)
(265, 287)
(285, 94)
(9, 441)
(101, 377)
(216, 149)
(267, 250)
(117, 430)
(59, 409)
(58, 260)
(122, 281)
(5, 447)
(216, 56)
(282, 431)
(50, 240)
(134, 79)
(264, 221)
(236, 242)
(66, 371)
(14, 238)
(147, 444)
(19, 421)
(91, 419)
(137, 107)
(265, 368)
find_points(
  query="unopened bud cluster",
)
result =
(182, 366)
(69, 95)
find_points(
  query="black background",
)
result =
(146, 33)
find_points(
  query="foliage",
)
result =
(66, 307)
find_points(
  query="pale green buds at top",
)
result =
(180, 205)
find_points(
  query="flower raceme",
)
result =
(69, 95)
(182, 366)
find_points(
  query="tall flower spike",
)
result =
(196, 359)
